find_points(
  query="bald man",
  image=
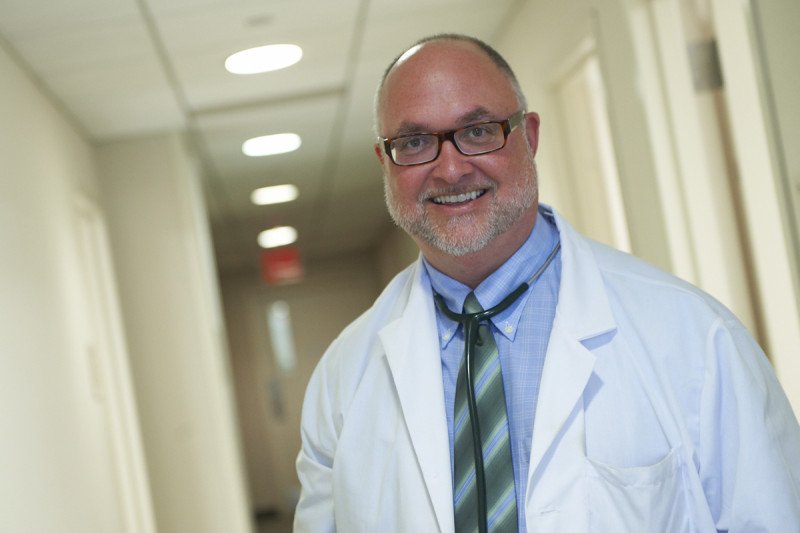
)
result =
(519, 376)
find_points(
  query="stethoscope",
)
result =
(471, 323)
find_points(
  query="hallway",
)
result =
(143, 388)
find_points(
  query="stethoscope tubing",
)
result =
(471, 322)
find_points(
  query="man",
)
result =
(607, 397)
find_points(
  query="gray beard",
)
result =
(450, 238)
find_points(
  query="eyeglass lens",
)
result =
(472, 140)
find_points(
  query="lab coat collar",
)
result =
(582, 293)
(583, 320)
(412, 351)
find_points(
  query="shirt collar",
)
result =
(515, 271)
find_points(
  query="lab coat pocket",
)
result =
(640, 498)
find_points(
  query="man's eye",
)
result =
(479, 133)
(414, 143)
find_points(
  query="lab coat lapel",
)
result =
(583, 313)
(412, 351)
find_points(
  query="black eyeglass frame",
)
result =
(507, 125)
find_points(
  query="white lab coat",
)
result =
(657, 412)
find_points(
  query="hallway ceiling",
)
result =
(124, 68)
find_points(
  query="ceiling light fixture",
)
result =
(280, 143)
(277, 194)
(279, 236)
(263, 58)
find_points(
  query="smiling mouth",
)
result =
(458, 198)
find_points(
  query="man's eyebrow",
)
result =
(409, 128)
(479, 114)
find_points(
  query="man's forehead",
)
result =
(407, 54)
(432, 53)
(440, 85)
(443, 65)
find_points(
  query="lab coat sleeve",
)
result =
(315, 508)
(750, 440)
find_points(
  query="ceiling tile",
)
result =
(119, 100)
(38, 17)
(121, 41)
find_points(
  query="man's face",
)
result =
(458, 204)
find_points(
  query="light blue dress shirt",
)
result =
(521, 333)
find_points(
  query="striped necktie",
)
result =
(501, 502)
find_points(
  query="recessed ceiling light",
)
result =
(280, 143)
(263, 58)
(278, 236)
(277, 194)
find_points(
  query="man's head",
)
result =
(490, 52)
(457, 205)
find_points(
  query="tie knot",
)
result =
(471, 304)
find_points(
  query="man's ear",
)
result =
(532, 130)
(379, 152)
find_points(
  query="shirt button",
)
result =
(509, 328)
(446, 335)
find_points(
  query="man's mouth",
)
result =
(458, 198)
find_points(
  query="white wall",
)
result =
(57, 463)
(176, 337)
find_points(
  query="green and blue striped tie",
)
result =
(501, 502)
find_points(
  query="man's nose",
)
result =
(451, 164)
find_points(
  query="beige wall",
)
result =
(775, 27)
(543, 43)
(396, 251)
(56, 453)
(176, 337)
(74, 456)
(756, 97)
(332, 294)
(777, 24)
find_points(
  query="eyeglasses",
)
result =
(475, 139)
